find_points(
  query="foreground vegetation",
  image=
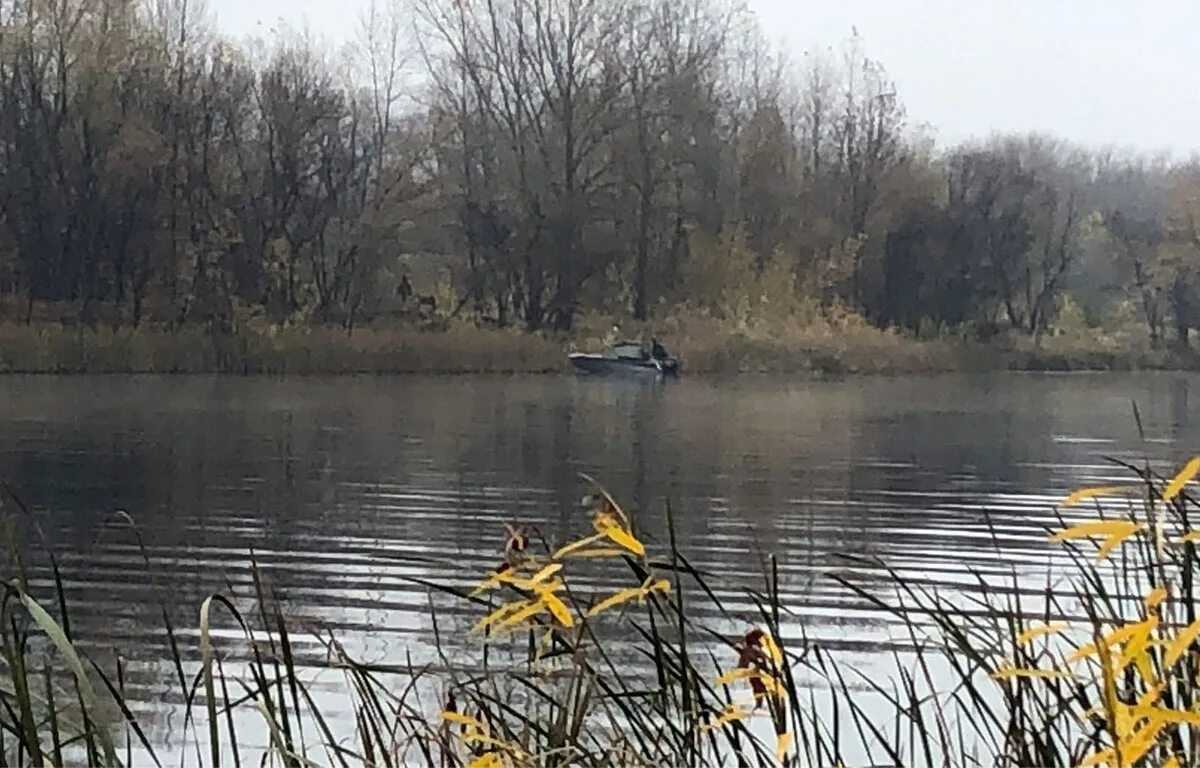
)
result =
(1102, 667)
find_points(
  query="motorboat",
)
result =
(626, 358)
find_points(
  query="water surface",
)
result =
(344, 489)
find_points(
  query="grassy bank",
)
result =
(57, 349)
(705, 346)
(1100, 668)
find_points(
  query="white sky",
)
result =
(1101, 72)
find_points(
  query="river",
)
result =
(344, 488)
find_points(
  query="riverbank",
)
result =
(704, 347)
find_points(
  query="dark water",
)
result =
(329, 481)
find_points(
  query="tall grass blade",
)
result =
(56, 635)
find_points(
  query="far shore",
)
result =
(816, 352)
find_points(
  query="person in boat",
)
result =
(612, 337)
(657, 351)
(405, 290)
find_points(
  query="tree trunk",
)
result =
(640, 288)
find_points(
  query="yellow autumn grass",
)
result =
(1086, 494)
(769, 645)
(1010, 672)
(783, 743)
(639, 593)
(609, 528)
(771, 683)
(732, 713)
(475, 736)
(1105, 673)
(535, 594)
(1042, 630)
(1113, 532)
(1109, 657)
(1180, 481)
(511, 577)
(536, 583)
(1139, 668)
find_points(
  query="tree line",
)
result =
(628, 157)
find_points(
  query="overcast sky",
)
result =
(1102, 72)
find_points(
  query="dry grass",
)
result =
(1094, 350)
(459, 349)
(814, 344)
(819, 345)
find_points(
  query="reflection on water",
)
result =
(316, 478)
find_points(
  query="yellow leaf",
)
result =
(1172, 762)
(733, 675)
(558, 609)
(1117, 636)
(1010, 673)
(547, 588)
(1140, 742)
(524, 614)
(497, 578)
(1156, 597)
(483, 740)
(601, 521)
(1105, 528)
(1189, 536)
(1182, 642)
(487, 760)
(1114, 533)
(1135, 649)
(747, 673)
(499, 614)
(1178, 717)
(1112, 704)
(1083, 494)
(1033, 633)
(1145, 665)
(730, 714)
(623, 538)
(773, 683)
(576, 546)
(491, 582)
(457, 717)
(1147, 699)
(782, 744)
(1082, 652)
(1185, 476)
(624, 596)
(1109, 545)
(1103, 757)
(545, 573)
(768, 644)
(662, 585)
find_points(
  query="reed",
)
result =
(826, 343)
(1101, 666)
(274, 350)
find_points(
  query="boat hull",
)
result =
(599, 365)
